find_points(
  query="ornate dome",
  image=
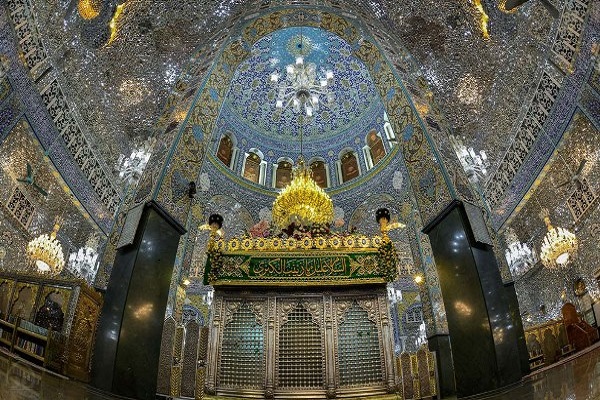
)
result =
(249, 109)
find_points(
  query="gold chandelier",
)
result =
(47, 253)
(302, 201)
(89, 9)
(558, 245)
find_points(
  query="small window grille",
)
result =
(20, 207)
(413, 315)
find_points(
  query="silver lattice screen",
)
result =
(242, 355)
(307, 345)
(358, 349)
(300, 352)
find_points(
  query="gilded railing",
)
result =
(417, 374)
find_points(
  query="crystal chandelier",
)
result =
(520, 256)
(474, 164)
(84, 262)
(302, 201)
(131, 168)
(47, 253)
(558, 245)
(302, 88)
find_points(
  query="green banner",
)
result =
(298, 268)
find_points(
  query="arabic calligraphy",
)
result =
(300, 267)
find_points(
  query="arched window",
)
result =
(348, 166)
(225, 150)
(374, 150)
(320, 173)
(254, 167)
(283, 173)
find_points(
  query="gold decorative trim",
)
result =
(308, 245)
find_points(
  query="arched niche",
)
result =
(389, 131)
(320, 171)
(227, 151)
(374, 150)
(254, 167)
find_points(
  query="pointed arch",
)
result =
(416, 145)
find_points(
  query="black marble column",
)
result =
(129, 333)
(440, 344)
(484, 336)
(511, 297)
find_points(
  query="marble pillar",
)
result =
(127, 349)
(484, 330)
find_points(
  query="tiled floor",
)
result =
(577, 379)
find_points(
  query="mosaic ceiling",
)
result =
(481, 87)
(558, 192)
(252, 97)
(473, 69)
(122, 86)
(19, 153)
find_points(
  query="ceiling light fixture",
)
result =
(558, 246)
(483, 18)
(131, 168)
(89, 9)
(302, 201)
(84, 263)
(113, 23)
(47, 253)
(474, 164)
(301, 88)
(520, 256)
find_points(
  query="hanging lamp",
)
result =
(558, 246)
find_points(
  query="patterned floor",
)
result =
(575, 379)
